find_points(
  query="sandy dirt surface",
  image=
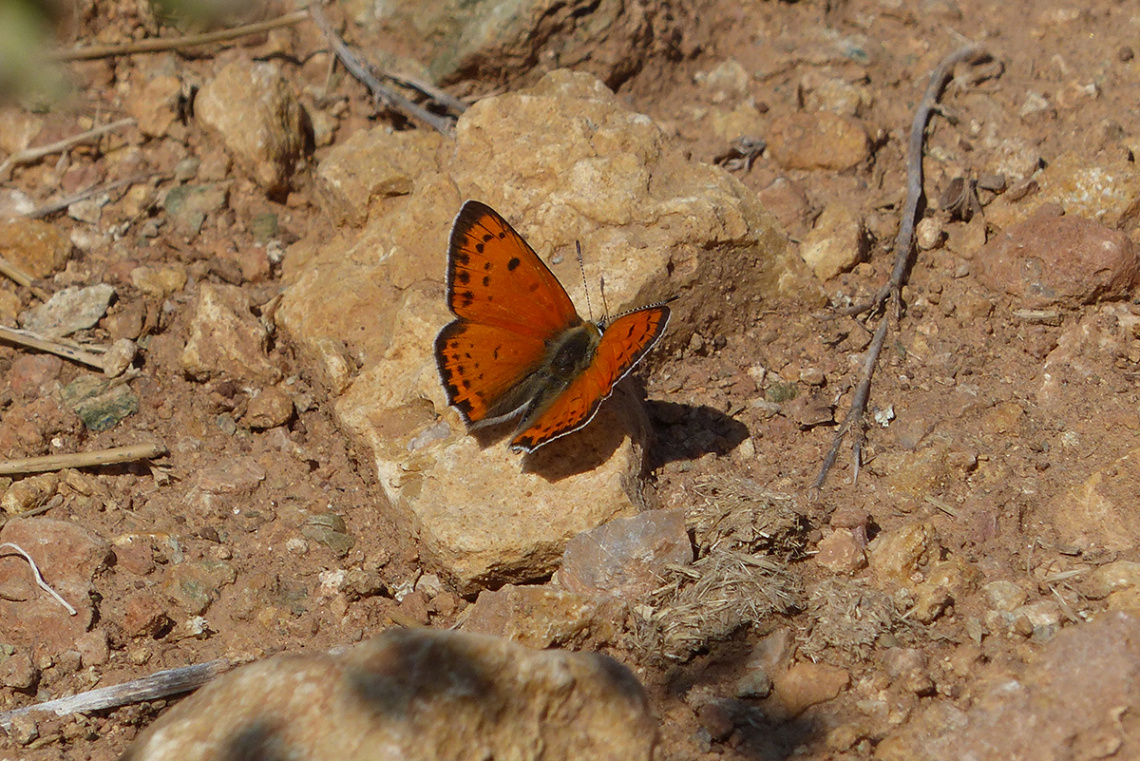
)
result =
(967, 437)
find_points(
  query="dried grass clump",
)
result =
(847, 617)
(740, 514)
(709, 600)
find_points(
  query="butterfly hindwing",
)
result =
(624, 342)
(495, 278)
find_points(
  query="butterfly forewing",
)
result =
(495, 278)
(624, 342)
(481, 364)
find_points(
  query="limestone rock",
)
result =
(627, 557)
(413, 695)
(372, 165)
(570, 163)
(34, 246)
(155, 105)
(490, 41)
(119, 357)
(70, 556)
(805, 684)
(69, 310)
(836, 243)
(1107, 192)
(896, 554)
(533, 615)
(1067, 261)
(1098, 513)
(841, 551)
(252, 107)
(226, 339)
(269, 409)
(1104, 335)
(29, 493)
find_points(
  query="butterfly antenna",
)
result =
(585, 286)
(605, 306)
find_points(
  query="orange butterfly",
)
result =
(518, 346)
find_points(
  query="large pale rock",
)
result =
(252, 107)
(372, 165)
(564, 162)
(413, 695)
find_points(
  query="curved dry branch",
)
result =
(904, 241)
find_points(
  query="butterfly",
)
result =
(517, 346)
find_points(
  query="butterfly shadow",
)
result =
(579, 452)
(688, 432)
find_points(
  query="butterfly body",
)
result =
(517, 346)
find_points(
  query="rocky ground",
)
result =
(263, 259)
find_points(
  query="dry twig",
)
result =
(380, 93)
(63, 203)
(161, 684)
(24, 338)
(29, 155)
(39, 578)
(892, 291)
(81, 459)
(14, 273)
(159, 44)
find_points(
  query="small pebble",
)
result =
(716, 719)
(754, 684)
(119, 357)
(929, 234)
(812, 376)
(23, 730)
(18, 671)
(1004, 595)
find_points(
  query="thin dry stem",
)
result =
(25, 338)
(904, 242)
(380, 93)
(159, 44)
(161, 684)
(63, 203)
(29, 155)
(39, 578)
(14, 273)
(82, 459)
